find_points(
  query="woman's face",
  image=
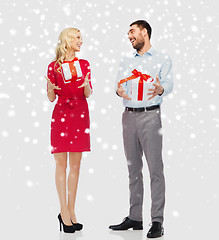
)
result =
(76, 42)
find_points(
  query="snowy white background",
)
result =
(188, 32)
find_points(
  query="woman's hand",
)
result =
(86, 81)
(86, 85)
(51, 86)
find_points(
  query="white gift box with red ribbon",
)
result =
(140, 83)
(72, 71)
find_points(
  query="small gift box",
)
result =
(139, 85)
(72, 71)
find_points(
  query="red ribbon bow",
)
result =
(143, 77)
(67, 100)
(75, 59)
(73, 70)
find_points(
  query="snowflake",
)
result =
(99, 140)
(5, 133)
(15, 69)
(192, 135)
(194, 28)
(212, 107)
(29, 183)
(27, 168)
(11, 113)
(91, 170)
(13, 32)
(35, 141)
(90, 198)
(26, 139)
(114, 147)
(175, 214)
(169, 152)
(87, 130)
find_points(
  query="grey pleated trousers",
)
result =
(141, 134)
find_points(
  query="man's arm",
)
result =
(166, 78)
(121, 92)
(164, 81)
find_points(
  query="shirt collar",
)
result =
(150, 52)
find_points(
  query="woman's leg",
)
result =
(74, 163)
(60, 179)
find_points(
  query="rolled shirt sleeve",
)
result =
(166, 78)
(120, 76)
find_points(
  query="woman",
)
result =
(69, 78)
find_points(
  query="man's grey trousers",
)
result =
(142, 134)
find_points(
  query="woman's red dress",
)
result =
(70, 125)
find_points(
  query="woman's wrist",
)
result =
(87, 90)
(86, 84)
(51, 90)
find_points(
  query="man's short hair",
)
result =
(143, 24)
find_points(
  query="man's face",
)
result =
(136, 37)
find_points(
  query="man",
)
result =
(143, 80)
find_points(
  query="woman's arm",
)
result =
(87, 90)
(50, 90)
(86, 85)
(51, 83)
(51, 95)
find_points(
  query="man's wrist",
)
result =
(161, 91)
(117, 94)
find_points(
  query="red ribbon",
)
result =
(66, 100)
(75, 59)
(72, 69)
(143, 77)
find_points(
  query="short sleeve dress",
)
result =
(70, 125)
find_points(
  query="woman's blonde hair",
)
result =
(64, 44)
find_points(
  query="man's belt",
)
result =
(142, 109)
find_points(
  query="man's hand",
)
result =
(121, 92)
(158, 89)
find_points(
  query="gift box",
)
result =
(139, 85)
(71, 71)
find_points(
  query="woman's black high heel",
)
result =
(66, 228)
(78, 226)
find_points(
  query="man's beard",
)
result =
(139, 45)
